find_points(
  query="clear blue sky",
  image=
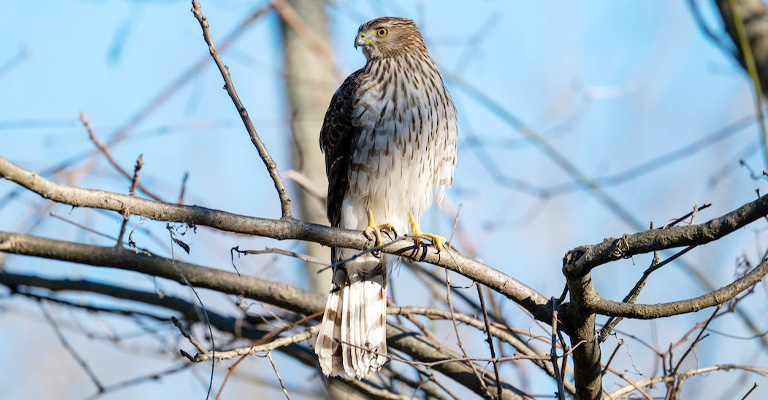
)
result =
(610, 85)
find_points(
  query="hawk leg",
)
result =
(374, 231)
(437, 240)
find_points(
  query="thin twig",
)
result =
(489, 340)
(183, 190)
(750, 391)
(203, 312)
(617, 394)
(458, 336)
(188, 335)
(696, 341)
(81, 226)
(692, 214)
(279, 379)
(553, 354)
(631, 297)
(71, 350)
(707, 32)
(230, 370)
(415, 321)
(131, 192)
(205, 355)
(285, 201)
(105, 150)
(274, 250)
(189, 74)
(306, 184)
(136, 381)
(610, 359)
(632, 385)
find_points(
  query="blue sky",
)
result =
(610, 85)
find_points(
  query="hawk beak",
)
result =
(361, 40)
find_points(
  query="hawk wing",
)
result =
(337, 138)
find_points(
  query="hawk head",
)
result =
(389, 37)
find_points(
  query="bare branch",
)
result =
(64, 342)
(285, 201)
(489, 338)
(586, 352)
(105, 150)
(282, 229)
(241, 351)
(272, 250)
(497, 332)
(480, 380)
(275, 293)
(650, 311)
(190, 73)
(131, 191)
(553, 357)
(617, 394)
(306, 184)
(696, 341)
(750, 391)
(279, 379)
(583, 258)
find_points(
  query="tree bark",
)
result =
(309, 85)
(754, 14)
(586, 348)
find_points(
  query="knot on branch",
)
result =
(572, 267)
(621, 248)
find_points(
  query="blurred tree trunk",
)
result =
(746, 22)
(310, 82)
(754, 16)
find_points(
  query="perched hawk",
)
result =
(389, 138)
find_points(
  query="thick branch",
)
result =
(189, 310)
(275, 293)
(586, 349)
(282, 229)
(278, 294)
(582, 259)
(652, 311)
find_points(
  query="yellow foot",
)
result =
(374, 231)
(437, 240)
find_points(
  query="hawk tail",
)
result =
(352, 336)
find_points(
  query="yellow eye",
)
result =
(381, 32)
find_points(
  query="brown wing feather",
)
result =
(336, 140)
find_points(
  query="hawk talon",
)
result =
(437, 240)
(373, 231)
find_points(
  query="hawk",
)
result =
(389, 138)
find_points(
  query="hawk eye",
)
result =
(381, 32)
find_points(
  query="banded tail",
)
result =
(353, 334)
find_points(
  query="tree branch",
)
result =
(652, 311)
(285, 201)
(275, 293)
(586, 349)
(582, 259)
(282, 229)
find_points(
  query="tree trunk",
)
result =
(754, 16)
(310, 82)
